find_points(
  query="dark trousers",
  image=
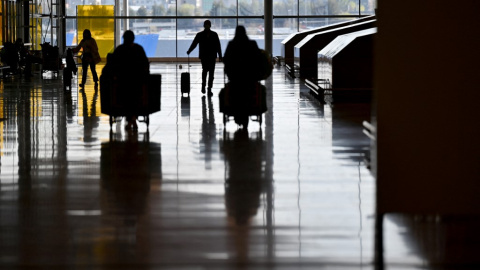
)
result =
(85, 70)
(208, 66)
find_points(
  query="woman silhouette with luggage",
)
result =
(90, 56)
(242, 68)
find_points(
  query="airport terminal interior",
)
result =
(336, 174)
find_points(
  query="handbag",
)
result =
(265, 65)
(96, 58)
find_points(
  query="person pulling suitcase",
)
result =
(209, 47)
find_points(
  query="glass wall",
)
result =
(254, 29)
(166, 28)
(101, 25)
(157, 36)
(10, 8)
(35, 27)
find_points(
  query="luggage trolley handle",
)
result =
(224, 76)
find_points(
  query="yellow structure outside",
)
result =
(103, 29)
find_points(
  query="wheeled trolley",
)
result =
(51, 64)
(243, 102)
(118, 102)
(51, 60)
(256, 117)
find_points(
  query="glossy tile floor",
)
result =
(189, 193)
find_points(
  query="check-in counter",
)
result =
(346, 64)
(287, 45)
(305, 52)
(348, 60)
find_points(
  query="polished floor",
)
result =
(188, 192)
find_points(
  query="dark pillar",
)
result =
(268, 11)
(26, 21)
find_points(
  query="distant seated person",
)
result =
(26, 58)
(131, 70)
(10, 57)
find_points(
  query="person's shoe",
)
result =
(203, 90)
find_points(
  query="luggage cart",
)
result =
(146, 103)
(251, 101)
(50, 59)
(51, 64)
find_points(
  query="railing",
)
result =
(320, 87)
(369, 130)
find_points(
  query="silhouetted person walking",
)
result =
(131, 69)
(90, 56)
(241, 66)
(209, 47)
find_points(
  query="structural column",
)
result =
(118, 23)
(26, 23)
(61, 24)
(268, 18)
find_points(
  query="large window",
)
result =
(101, 25)
(165, 28)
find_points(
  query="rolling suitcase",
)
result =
(185, 80)
(154, 92)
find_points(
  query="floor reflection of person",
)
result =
(128, 167)
(90, 118)
(244, 183)
(69, 106)
(208, 135)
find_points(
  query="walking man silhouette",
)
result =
(209, 47)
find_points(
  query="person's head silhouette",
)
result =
(240, 33)
(207, 24)
(128, 37)
(19, 41)
(87, 34)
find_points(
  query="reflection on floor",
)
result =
(188, 192)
